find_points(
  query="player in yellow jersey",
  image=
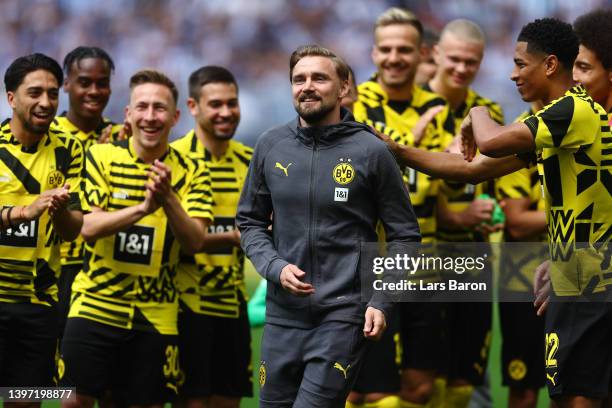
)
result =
(423, 119)
(145, 199)
(460, 212)
(522, 330)
(572, 133)
(214, 332)
(88, 76)
(572, 138)
(40, 181)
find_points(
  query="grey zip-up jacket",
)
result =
(323, 189)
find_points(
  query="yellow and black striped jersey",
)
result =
(128, 279)
(374, 105)
(458, 196)
(517, 268)
(574, 145)
(87, 139)
(212, 282)
(30, 252)
(72, 252)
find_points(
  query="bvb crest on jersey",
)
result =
(344, 172)
(55, 179)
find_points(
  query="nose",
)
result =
(44, 100)
(225, 111)
(94, 89)
(308, 84)
(149, 115)
(393, 56)
(514, 74)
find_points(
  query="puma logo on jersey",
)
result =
(552, 378)
(120, 194)
(343, 370)
(284, 169)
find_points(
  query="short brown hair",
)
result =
(314, 50)
(151, 76)
(396, 15)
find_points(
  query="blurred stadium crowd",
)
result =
(254, 38)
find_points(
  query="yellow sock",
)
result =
(458, 397)
(351, 405)
(439, 393)
(392, 401)
(408, 404)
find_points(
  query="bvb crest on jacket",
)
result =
(343, 172)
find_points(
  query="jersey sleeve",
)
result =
(74, 174)
(514, 185)
(96, 189)
(198, 201)
(445, 126)
(496, 112)
(567, 123)
(115, 130)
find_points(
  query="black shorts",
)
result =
(578, 352)
(469, 339)
(64, 286)
(423, 336)
(28, 340)
(215, 355)
(140, 368)
(380, 372)
(305, 368)
(522, 346)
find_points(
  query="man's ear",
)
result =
(192, 105)
(344, 89)
(435, 52)
(10, 97)
(552, 64)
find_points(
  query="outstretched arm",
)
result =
(493, 139)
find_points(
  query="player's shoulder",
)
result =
(242, 151)
(370, 92)
(183, 143)
(117, 151)
(423, 99)
(481, 100)
(183, 160)
(276, 134)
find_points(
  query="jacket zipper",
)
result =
(311, 203)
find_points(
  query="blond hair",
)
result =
(396, 15)
(464, 29)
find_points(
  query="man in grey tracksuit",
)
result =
(322, 181)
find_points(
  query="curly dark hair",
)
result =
(82, 52)
(553, 37)
(593, 31)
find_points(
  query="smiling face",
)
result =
(529, 73)
(396, 54)
(589, 71)
(317, 90)
(88, 87)
(458, 60)
(151, 114)
(35, 101)
(217, 112)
